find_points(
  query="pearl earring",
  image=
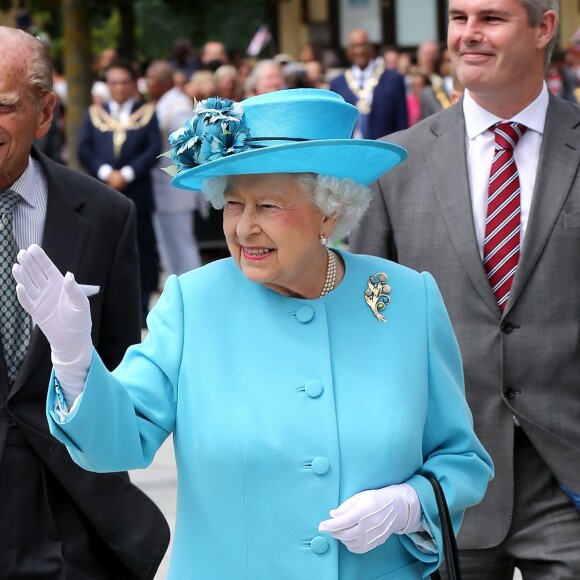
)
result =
(323, 240)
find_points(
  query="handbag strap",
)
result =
(449, 543)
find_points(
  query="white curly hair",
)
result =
(335, 197)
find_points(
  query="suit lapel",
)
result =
(447, 164)
(65, 234)
(65, 231)
(557, 168)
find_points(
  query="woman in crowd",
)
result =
(307, 389)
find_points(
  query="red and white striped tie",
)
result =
(501, 247)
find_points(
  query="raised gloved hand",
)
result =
(59, 307)
(367, 519)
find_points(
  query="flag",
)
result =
(259, 40)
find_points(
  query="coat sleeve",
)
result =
(123, 417)
(451, 450)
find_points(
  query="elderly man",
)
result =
(59, 521)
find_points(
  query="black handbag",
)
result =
(449, 542)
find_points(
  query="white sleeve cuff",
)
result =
(128, 173)
(104, 172)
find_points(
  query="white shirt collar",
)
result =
(366, 73)
(478, 119)
(126, 107)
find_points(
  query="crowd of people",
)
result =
(213, 70)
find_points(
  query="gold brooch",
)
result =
(377, 294)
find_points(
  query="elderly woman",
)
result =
(307, 389)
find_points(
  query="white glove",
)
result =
(59, 307)
(367, 519)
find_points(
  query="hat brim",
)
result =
(361, 160)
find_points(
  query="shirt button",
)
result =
(319, 545)
(320, 465)
(314, 389)
(304, 314)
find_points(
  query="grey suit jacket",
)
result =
(525, 363)
(429, 103)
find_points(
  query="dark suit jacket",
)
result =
(526, 362)
(90, 231)
(139, 151)
(389, 108)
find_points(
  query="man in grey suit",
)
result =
(520, 341)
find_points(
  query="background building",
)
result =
(388, 22)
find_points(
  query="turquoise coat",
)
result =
(282, 408)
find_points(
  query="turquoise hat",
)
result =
(288, 131)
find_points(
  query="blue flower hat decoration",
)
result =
(216, 129)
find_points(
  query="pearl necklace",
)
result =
(330, 274)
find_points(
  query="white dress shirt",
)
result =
(30, 213)
(122, 111)
(480, 144)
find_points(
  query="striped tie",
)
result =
(501, 247)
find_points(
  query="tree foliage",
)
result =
(146, 29)
(77, 59)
